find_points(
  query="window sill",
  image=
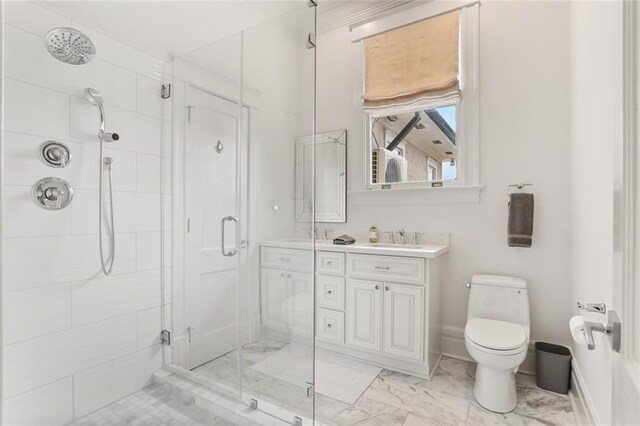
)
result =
(443, 195)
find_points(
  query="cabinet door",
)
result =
(274, 291)
(299, 303)
(363, 314)
(403, 321)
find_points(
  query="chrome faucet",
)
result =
(326, 233)
(402, 235)
(391, 236)
(415, 241)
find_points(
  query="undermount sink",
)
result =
(398, 246)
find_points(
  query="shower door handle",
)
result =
(235, 250)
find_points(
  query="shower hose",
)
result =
(107, 162)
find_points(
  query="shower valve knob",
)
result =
(52, 193)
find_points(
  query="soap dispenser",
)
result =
(373, 234)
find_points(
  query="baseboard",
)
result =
(580, 399)
(453, 346)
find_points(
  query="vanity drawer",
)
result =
(330, 326)
(387, 268)
(330, 292)
(287, 259)
(330, 262)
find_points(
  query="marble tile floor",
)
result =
(392, 399)
(398, 399)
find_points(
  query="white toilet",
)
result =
(497, 337)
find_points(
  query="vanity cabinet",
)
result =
(383, 309)
(364, 315)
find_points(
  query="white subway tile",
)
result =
(31, 17)
(24, 218)
(119, 53)
(107, 297)
(51, 404)
(23, 165)
(168, 251)
(148, 173)
(167, 139)
(133, 212)
(167, 175)
(36, 312)
(150, 101)
(149, 327)
(123, 169)
(45, 359)
(138, 132)
(148, 249)
(35, 262)
(104, 384)
(168, 285)
(26, 60)
(34, 110)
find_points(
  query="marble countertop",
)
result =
(427, 251)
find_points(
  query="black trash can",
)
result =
(553, 367)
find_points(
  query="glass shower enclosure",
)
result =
(180, 168)
(242, 308)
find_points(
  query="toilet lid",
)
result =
(494, 334)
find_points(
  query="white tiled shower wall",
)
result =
(75, 340)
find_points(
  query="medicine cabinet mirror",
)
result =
(331, 177)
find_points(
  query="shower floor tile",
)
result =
(155, 405)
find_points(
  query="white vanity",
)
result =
(376, 303)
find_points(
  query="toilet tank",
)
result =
(499, 297)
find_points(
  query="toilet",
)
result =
(497, 337)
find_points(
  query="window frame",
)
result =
(467, 108)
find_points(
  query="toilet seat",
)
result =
(496, 337)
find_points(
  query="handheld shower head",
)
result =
(93, 96)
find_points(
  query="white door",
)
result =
(211, 193)
(363, 314)
(625, 365)
(403, 319)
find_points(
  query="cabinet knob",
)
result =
(377, 287)
(328, 325)
(329, 292)
(386, 288)
(329, 263)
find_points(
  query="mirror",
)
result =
(414, 146)
(331, 177)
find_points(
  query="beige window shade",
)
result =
(413, 65)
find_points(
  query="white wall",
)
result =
(524, 83)
(596, 123)
(75, 340)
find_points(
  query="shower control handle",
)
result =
(234, 251)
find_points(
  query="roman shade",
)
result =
(413, 66)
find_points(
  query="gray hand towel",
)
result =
(344, 240)
(520, 226)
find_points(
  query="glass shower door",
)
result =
(243, 271)
(277, 320)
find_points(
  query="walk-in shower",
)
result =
(95, 98)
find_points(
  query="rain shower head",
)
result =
(93, 96)
(69, 46)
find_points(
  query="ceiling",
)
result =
(423, 138)
(166, 28)
(175, 28)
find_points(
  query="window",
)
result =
(425, 127)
